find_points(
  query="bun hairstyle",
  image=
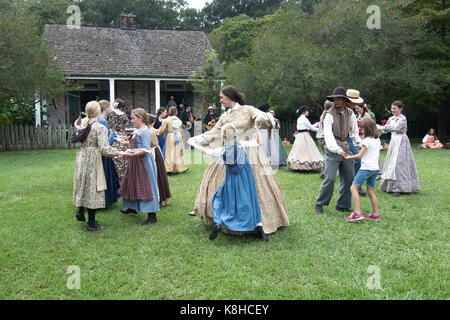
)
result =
(141, 114)
(103, 104)
(151, 119)
(160, 111)
(92, 110)
(302, 109)
(233, 94)
(119, 103)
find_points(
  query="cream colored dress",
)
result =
(304, 154)
(270, 196)
(89, 183)
(174, 157)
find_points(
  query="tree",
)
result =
(150, 14)
(217, 10)
(297, 59)
(191, 19)
(434, 52)
(233, 39)
(205, 80)
(26, 65)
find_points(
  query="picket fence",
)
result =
(29, 137)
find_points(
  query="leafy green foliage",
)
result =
(217, 10)
(205, 80)
(26, 65)
(297, 59)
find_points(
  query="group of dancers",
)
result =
(239, 192)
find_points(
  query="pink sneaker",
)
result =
(355, 217)
(373, 217)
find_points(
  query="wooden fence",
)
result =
(57, 137)
(30, 137)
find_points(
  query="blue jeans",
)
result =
(346, 174)
(366, 175)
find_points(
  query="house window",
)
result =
(175, 86)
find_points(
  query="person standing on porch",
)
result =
(172, 102)
(174, 157)
(339, 123)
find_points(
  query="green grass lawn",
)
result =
(316, 257)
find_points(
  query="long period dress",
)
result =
(271, 199)
(161, 138)
(399, 172)
(112, 179)
(174, 156)
(139, 190)
(235, 204)
(163, 181)
(272, 146)
(89, 182)
(304, 153)
(117, 122)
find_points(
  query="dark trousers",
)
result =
(346, 168)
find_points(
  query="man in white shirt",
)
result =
(339, 123)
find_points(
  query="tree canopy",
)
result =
(297, 59)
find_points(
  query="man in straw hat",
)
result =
(338, 124)
(355, 99)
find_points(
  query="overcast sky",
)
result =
(197, 4)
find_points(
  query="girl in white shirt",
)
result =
(369, 155)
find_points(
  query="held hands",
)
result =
(123, 140)
(344, 156)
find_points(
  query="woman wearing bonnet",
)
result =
(174, 154)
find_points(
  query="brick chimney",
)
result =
(128, 21)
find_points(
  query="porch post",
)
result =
(111, 91)
(37, 105)
(157, 94)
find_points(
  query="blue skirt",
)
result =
(112, 181)
(235, 205)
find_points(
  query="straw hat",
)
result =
(353, 96)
